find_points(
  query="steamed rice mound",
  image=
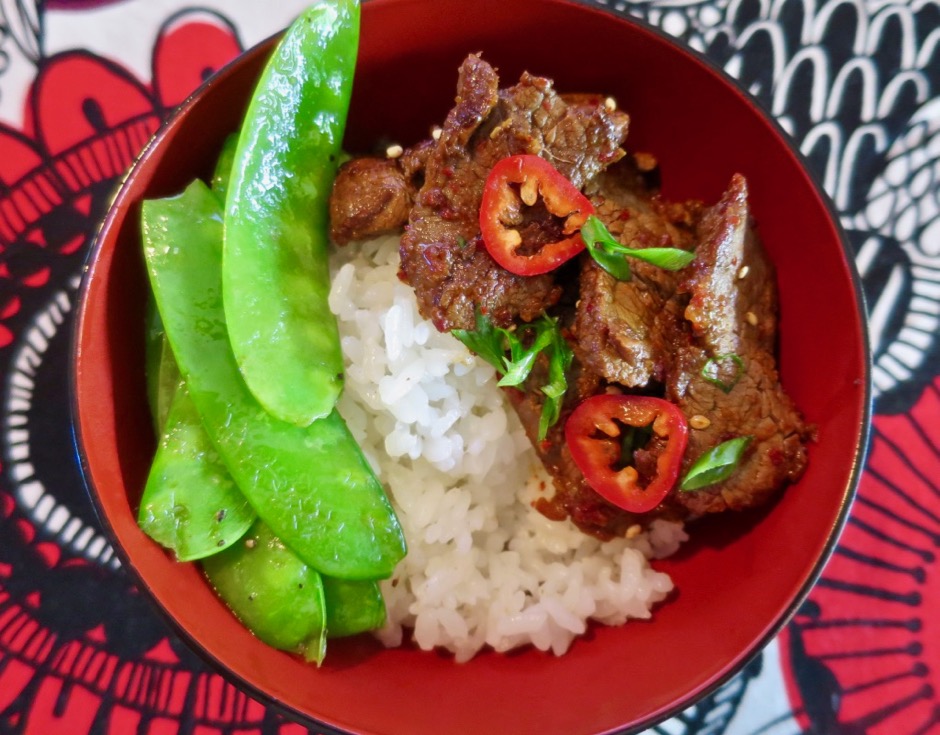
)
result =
(483, 567)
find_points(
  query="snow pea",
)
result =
(352, 606)
(190, 504)
(269, 589)
(311, 485)
(223, 166)
(162, 376)
(275, 275)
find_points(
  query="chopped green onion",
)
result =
(716, 465)
(713, 369)
(611, 255)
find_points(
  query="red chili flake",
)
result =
(434, 197)
(776, 457)
(435, 256)
(624, 215)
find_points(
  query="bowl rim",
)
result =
(735, 665)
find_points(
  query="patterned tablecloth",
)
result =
(84, 83)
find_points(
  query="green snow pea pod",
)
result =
(223, 166)
(270, 590)
(163, 377)
(190, 504)
(311, 484)
(275, 279)
(352, 606)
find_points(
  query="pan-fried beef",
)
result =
(619, 324)
(732, 310)
(662, 326)
(442, 254)
(703, 336)
(373, 196)
(573, 497)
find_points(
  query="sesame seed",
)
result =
(699, 422)
(635, 530)
(645, 161)
(250, 543)
(394, 151)
(610, 104)
(751, 318)
(745, 269)
(436, 133)
(495, 132)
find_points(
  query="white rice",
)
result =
(483, 567)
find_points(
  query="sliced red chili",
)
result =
(593, 435)
(525, 178)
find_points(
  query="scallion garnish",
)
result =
(716, 465)
(716, 372)
(612, 256)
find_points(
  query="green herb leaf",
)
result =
(487, 340)
(611, 255)
(716, 465)
(715, 368)
(522, 358)
(559, 360)
(524, 346)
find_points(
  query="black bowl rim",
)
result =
(858, 460)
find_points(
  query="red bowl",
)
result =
(738, 580)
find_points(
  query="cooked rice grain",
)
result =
(483, 568)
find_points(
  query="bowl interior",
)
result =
(737, 580)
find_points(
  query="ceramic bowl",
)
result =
(738, 580)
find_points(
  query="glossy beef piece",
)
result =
(732, 309)
(373, 196)
(442, 255)
(662, 328)
(572, 498)
(620, 325)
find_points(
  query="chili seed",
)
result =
(635, 530)
(610, 104)
(394, 151)
(660, 425)
(250, 543)
(745, 269)
(751, 318)
(529, 191)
